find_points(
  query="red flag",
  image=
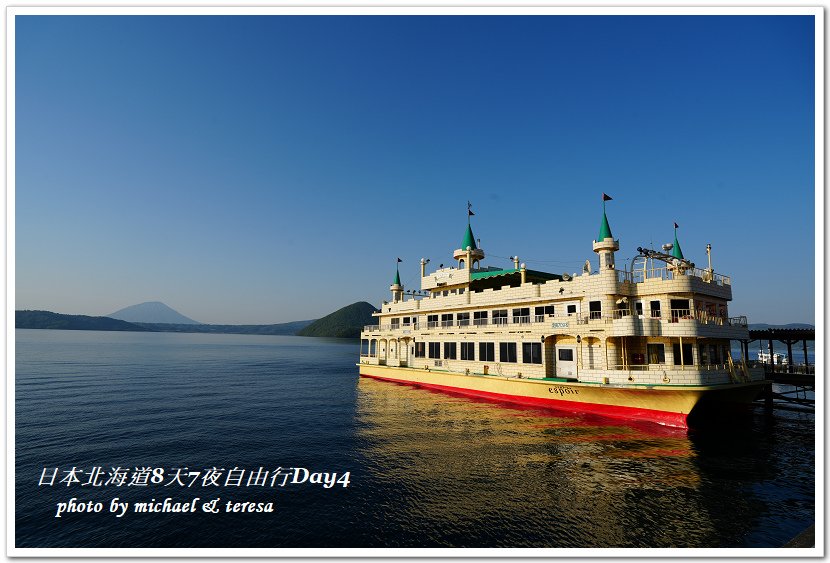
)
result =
(606, 197)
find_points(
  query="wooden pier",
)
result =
(800, 376)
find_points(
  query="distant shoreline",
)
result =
(346, 322)
(47, 320)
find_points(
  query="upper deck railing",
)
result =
(674, 316)
(640, 275)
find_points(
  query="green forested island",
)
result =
(343, 323)
(48, 319)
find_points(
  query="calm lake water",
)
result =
(427, 469)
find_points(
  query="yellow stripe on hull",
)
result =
(664, 404)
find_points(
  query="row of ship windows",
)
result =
(531, 351)
(709, 354)
(482, 317)
(522, 314)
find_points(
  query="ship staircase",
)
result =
(793, 382)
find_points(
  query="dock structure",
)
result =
(787, 336)
(801, 376)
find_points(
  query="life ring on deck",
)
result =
(666, 378)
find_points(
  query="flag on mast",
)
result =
(606, 197)
(399, 260)
(469, 209)
(676, 226)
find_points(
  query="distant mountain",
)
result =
(764, 326)
(49, 320)
(343, 323)
(281, 328)
(152, 312)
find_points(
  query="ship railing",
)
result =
(669, 273)
(480, 322)
(737, 321)
(446, 324)
(677, 314)
(673, 367)
(539, 318)
(432, 324)
(499, 320)
(371, 328)
(620, 313)
(705, 317)
(524, 320)
(594, 318)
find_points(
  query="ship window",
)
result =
(680, 309)
(479, 318)
(486, 352)
(704, 355)
(521, 315)
(546, 310)
(531, 352)
(434, 349)
(468, 350)
(500, 317)
(420, 349)
(446, 320)
(688, 360)
(396, 323)
(571, 309)
(460, 291)
(445, 293)
(432, 321)
(407, 321)
(449, 350)
(655, 309)
(507, 352)
(638, 308)
(566, 355)
(595, 309)
(463, 319)
(656, 354)
(714, 356)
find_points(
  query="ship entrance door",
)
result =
(566, 361)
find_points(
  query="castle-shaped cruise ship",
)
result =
(652, 343)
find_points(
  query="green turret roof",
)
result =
(675, 249)
(604, 229)
(469, 240)
(397, 277)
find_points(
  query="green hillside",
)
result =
(343, 323)
(49, 320)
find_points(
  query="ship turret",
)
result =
(675, 249)
(679, 263)
(605, 245)
(396, 288)
(469, 255)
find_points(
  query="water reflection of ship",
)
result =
(465, 466)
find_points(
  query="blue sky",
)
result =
(268, 169)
